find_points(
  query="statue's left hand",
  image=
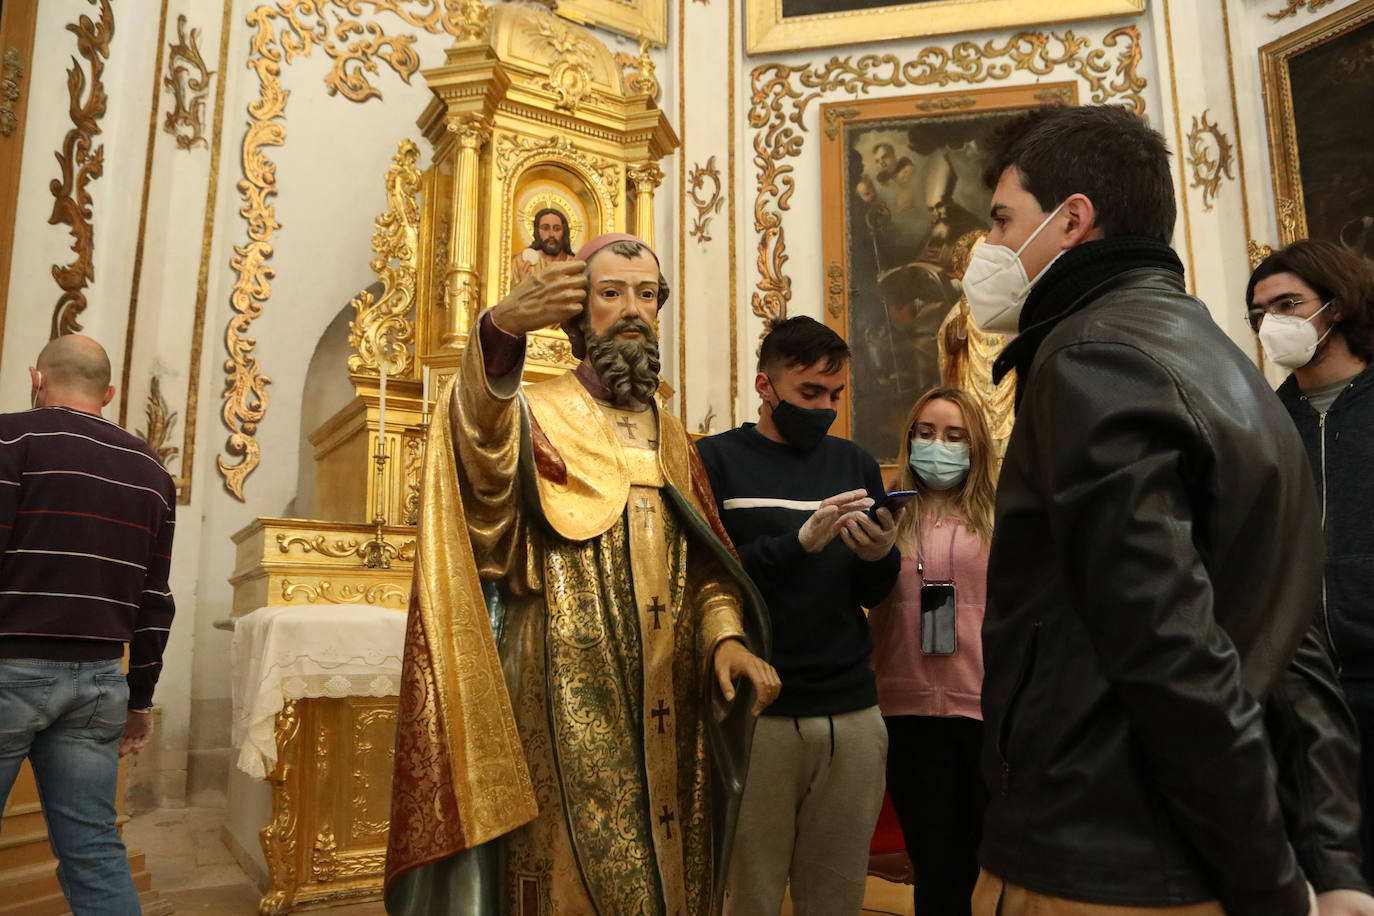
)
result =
(734, 661)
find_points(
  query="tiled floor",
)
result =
(194, 871)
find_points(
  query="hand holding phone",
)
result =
(893, 502)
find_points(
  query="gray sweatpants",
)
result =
(814, 791)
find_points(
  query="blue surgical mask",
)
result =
(938, 464)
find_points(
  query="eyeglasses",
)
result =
(1283, 306)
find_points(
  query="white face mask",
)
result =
(996, 285)
(937, 464)
(1289, 340)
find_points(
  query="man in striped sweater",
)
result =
(86, 520)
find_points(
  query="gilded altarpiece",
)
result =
(528, 111)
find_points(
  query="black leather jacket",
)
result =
(1154, 570)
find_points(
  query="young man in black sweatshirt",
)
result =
(793, 500)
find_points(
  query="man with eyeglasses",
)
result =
(1312, 305)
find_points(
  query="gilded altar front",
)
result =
(530, 113)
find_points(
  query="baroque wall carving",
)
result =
(161, 420)
(1292, 7)
(11, 73)
(1210, 156)
(384, 324)
(284, 31)
(697, 181)
(188, 80)
(781, 95)
(81, 162)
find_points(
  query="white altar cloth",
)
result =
(307, 650)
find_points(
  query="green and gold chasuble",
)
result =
(615, 589)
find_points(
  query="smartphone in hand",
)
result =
(893, 502)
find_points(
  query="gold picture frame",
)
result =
(901, 183)
(1314, 80)
(770, 25)
(635, 18)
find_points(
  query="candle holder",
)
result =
(376, 554)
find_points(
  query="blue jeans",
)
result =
(67, 718)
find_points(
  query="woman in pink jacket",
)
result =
(927, 649)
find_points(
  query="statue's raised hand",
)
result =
(544, 299)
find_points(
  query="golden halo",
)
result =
(532, 200)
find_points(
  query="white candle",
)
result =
(381, 406)
(424, 410)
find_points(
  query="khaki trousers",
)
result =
(994, 897)
(814, 791)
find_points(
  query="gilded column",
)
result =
(645, 178)
(461, 284)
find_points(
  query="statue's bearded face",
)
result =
(620, 324)
(550, 232)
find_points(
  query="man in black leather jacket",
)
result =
(1163, 723)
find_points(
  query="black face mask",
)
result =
(802, 427)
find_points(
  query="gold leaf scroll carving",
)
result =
(188, 79)
(342, 549)
(279, 836)
(1210, 162)
(283, 32)
(706, 209)
(781, 94)
(639, 71)
(161, 420)
(1257, 252)
(1294, 5)
(80, 164)
(385, 322)
(322, 591)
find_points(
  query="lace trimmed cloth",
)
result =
(307, 650)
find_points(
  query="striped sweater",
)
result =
(87, 513)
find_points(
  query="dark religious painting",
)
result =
(793, 8)
(906, 186)
(1319, 95)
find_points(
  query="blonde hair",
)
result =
(975, 497)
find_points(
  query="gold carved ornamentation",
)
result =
(324, 861)
(552, 350)
(11, 72)
(1294, 5)
(639, 71)
(414, 464)
(1257, 252)
(946, 103)
(188, 88)
(322, 591)
(80, 165)
(835, 118)
(1210, 162)
(341, 549)
(570, 74)
(781, 94)
(160, 423)
(283, 32)
(384, 323)
(471, 21)
(645, 177)
(1288, 216)
(1059, 96)
(279, 836)
(834, 290)
(513, 152)
(696, 181)
(366, 822)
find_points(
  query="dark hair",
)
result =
(801, 341)
(1337, 276)
(1104, 152)
(567, 233)
(891, 150)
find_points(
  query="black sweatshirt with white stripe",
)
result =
(765, 491)
(87, 513)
